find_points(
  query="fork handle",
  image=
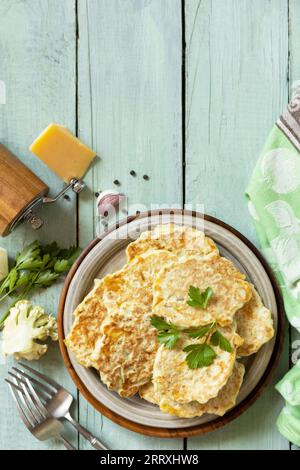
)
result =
(66, 443)
(85, 433)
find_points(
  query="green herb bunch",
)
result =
(35, 267)
(199, 354)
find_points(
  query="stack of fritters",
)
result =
(112, 330)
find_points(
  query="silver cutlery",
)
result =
(57, 400)
(33, 413)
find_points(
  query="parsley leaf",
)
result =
(199, 299)
(45, 278)
(13, 277)
(199, 332)
(24, 278)
(52, 249)
(217, 339)
(168, 338)
(61, 266)
(159, 323)
(29, 253)
(168, 334)
(199, 355)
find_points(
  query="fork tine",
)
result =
(34, 407)
(31, 403)
(42, 394)
(49, 381)
(37, 400)
(32, 391)
(14, 385)
(20, 410)
(17, 378)
(36, 382)
(26, 409)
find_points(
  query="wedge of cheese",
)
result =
(3, 263)
(66, 155)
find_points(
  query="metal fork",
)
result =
(57, 400)
(33, 413)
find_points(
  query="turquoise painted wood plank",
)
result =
(236, 69)
(294, 41)
(294, 81)
(130, 112)
(37, 44)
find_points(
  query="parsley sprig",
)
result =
(168, 334)
(198, 354)
(217, 339)
(200, 332)
(199, 299)
(203, 355)
(36, 266)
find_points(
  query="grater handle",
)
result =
(20, 187)
(75, 184)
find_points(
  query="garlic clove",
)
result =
(107, 199)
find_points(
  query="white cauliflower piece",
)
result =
(24, 325)
(3, 263)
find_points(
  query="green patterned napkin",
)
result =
(274, 204)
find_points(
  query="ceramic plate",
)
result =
(107, 255)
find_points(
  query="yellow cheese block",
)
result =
(62, 152)
(3, 263)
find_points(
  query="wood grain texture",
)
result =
(236, 69)
(128, 92)
(37, 44)
(19, 187)
(129, 89)
(294, 41)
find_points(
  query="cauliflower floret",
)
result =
(24, 325)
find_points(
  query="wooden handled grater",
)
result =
(22, 192)
(19, 190)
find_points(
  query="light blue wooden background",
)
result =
(185, 91)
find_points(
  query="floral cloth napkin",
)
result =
(274, 204)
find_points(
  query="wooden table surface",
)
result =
(184, 91)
